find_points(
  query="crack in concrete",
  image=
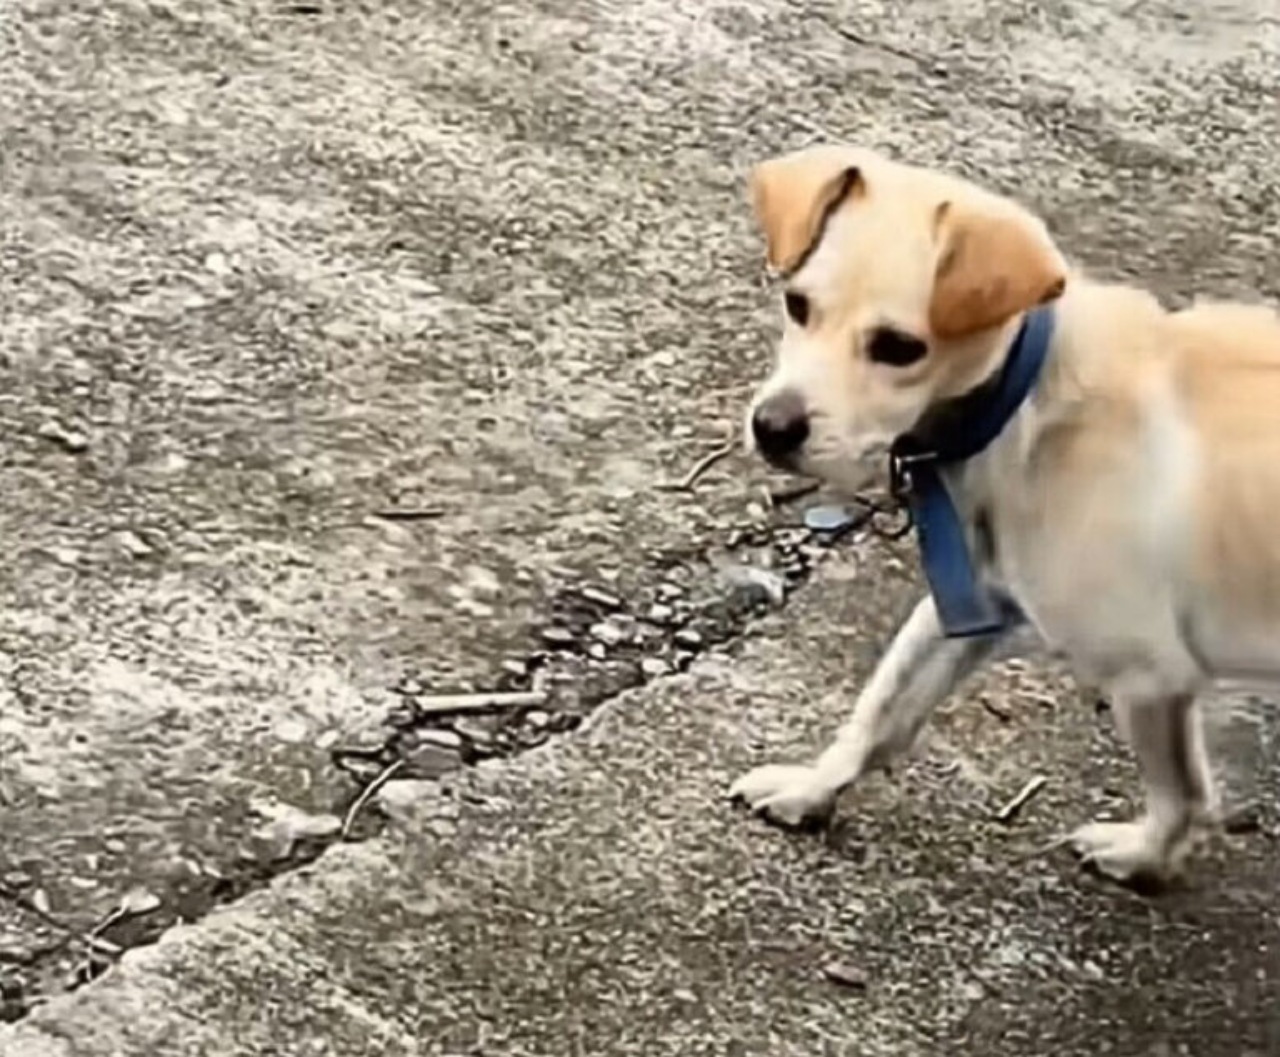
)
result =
(696, 605)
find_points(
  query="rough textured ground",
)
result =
(267, 270)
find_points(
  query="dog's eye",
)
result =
(894, 348)
(797, 306)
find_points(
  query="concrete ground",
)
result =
(343, 346)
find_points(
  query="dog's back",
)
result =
(1229, 382)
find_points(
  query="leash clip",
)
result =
(900, 464)
(895, 520)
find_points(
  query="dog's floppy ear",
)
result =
(794, 195)
(994, 263)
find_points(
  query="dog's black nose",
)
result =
(780, 425)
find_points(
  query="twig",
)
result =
(687, 482)
(443, 704)
(788, 493)
(409, 513)
(89, 940)
(366, 794)
(1002, 714)
(1039, 850)
(1011, 809)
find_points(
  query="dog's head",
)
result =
(900, 288)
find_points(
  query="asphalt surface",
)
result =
(271, 271)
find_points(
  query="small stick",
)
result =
(1001, 714)
(443, 704)
(1046, 848)
(91, 941)
(366, 794)
(1011, 809)
(409, 513)
(687, 482)
(788, 493)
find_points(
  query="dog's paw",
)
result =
(1129, 852)
(788, 794)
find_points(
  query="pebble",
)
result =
(72, 440)
(601, 598)
(597, 651)
(608, 633)
(537, 718)
(660, 614)
(475, 732)
(400, 796)
(669, 592)
(139, 901)
(516, 667)
(134, 544)
(557, 636)
(845, 975)
(446, 739)
(754, 584)
(689, 638)
(432, 761)
(290, 731)
(830, 518)
(654, 666)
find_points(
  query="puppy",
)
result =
(1128, 508)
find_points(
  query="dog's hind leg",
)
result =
(1165, 732)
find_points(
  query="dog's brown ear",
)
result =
(794, 195)
(993, 265)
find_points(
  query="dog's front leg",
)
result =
(919, 669)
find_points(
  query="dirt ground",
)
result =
(343, 352)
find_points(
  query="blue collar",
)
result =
(946, 436)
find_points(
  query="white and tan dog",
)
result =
(1131, 507)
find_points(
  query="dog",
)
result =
(1128, 509)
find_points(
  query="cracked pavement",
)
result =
(269, 270)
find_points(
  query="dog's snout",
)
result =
(780, 425)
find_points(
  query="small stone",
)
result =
(217, 263)
(688, 638)
(474, 732)
(70, 439)
(40, 900)
(139, 901)
(601, 598)
(846, 975)
(558, 637)
(1242, 819)
(134, 545)
(446, 739)
(17, 879)
(516, 667)
(432, 761)
(608, 633)
(400, 796)
(830, 518)
(659, 613)
(597, 651)
(410, 688)
(290, 731)
(654, 666)
(537, 718)
(669, 592)
(752, 585)
(287, 825)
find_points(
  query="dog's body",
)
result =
(1131, 508)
